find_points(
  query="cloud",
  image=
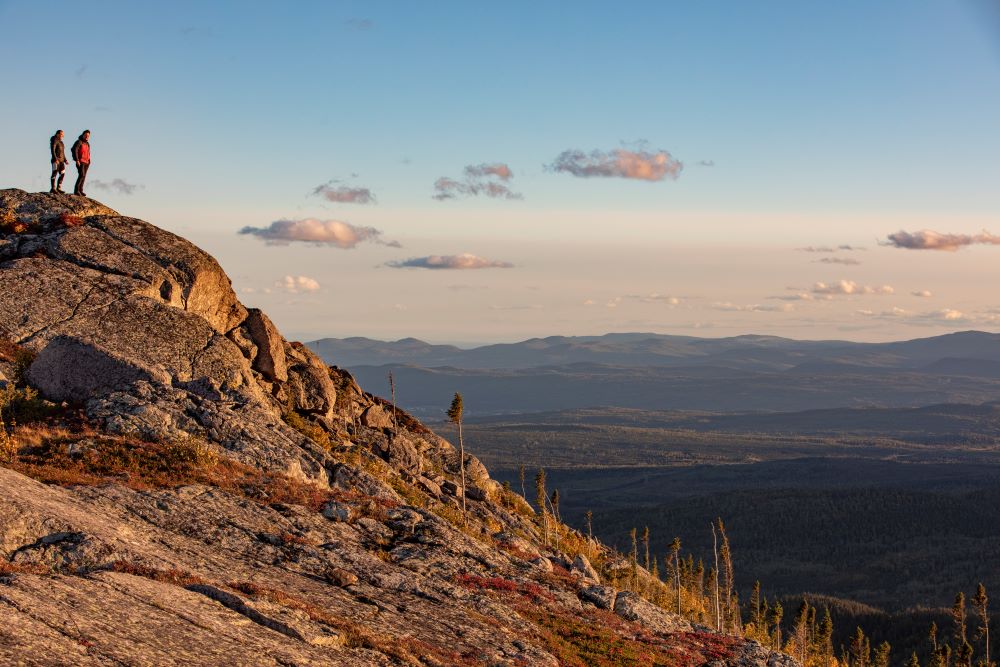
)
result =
(706, 163)
(458, 262)
(924, 294)
(530, 306)
(298, 284)
(117, 185)
(655, 297)
(849, 287)
(826, 248)
(930, 318)
(846, 261)
(360, 24)
(498, 169)
(752, 307)
(344, 195)
(926, 239)
(488, 179)
(799, 296)
(319, 232)
(619, 163)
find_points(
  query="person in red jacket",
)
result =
(81, 156)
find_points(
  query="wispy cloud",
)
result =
(939, 317)
(118, 185)
(706, 163)
(927, 239)
(923, 293)
(361, 24)
(846, 261)
(849, 287)
(298, 284)
(343, 194)
(486, 179)
(640, 165)
(334, 233)
(446, 262)
(826, 248)
(655, 297)
(753, 307)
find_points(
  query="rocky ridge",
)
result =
(206, 492)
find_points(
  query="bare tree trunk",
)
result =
(718, 611)
(461, 453)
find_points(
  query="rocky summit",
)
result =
(180, 485)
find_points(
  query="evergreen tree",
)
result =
(755, 604)
(776, 614)
(590, 524)
(675, 551)
(520, 474)
(455, 416)
(860, 649)
(824, 639)
(881, 657)
(540, 501)
(914, 661)
(981, 602)
(645, 545)
(958, 619)
(801, 631)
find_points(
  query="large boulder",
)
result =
(145, 329)
(631, 607)
(269, 358)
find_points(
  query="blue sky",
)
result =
(799, 124)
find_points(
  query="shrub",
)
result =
(69, 220)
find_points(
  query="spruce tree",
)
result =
(914, 660)
(958, 619)
(455, 416)
(540, 501)
(675, 550)
(645, 544)
(881, 657)
(825, 638)
(981, 602)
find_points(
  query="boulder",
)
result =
(376, 417)
(582, 567)
(631, 607)
(336, 511)
(310, 390)
(602, 597)
(69, 369)
(269, 359)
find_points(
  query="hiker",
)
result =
(81, 156)
(58, 152)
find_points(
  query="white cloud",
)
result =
(319, 232)
(444, 262)
(849, 287)
(298, 284)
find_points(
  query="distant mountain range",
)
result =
(964, 351)
(659, 372)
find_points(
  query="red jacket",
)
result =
(81, 151)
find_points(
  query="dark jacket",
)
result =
(81, 151)
(57, 149)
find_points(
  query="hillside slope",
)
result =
(184, 486)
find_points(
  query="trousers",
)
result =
(81, 177)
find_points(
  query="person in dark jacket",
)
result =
(81, 156)
(58, 152)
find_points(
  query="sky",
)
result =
(471, 173)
